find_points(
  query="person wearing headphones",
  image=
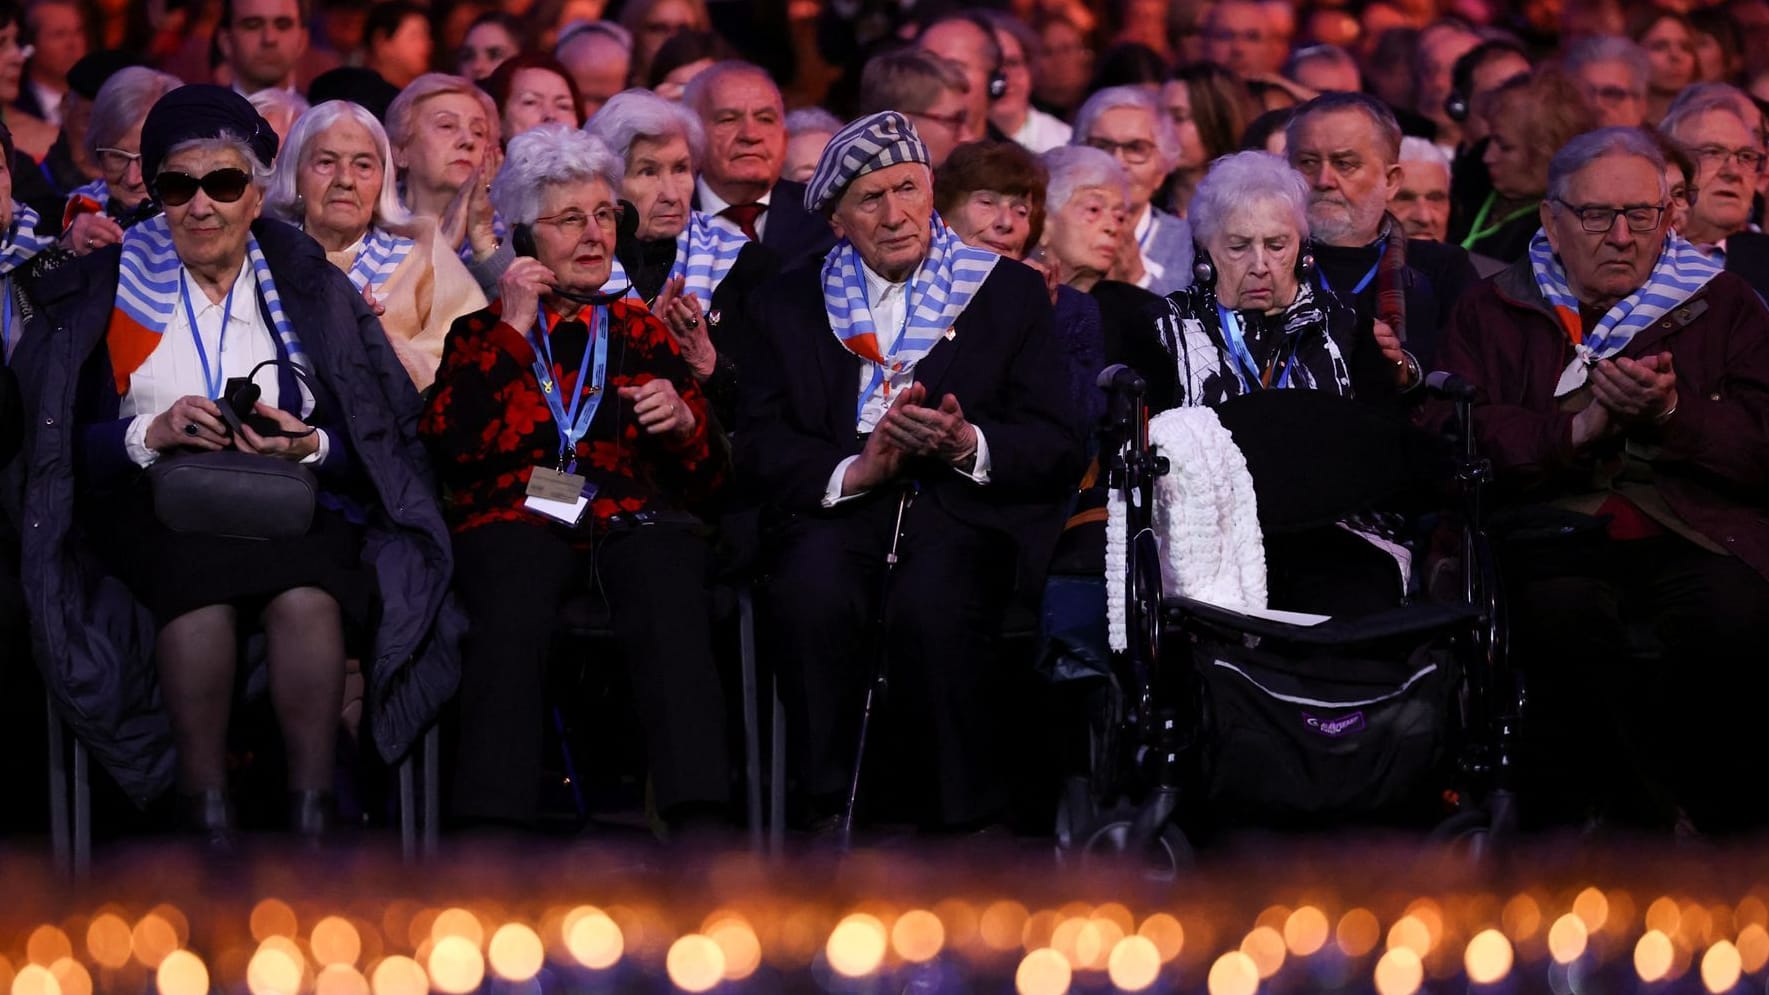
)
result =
(970, 41)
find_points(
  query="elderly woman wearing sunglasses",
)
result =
(333, 180)
(151, 338)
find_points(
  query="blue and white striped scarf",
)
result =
(705, 254)
(97, 191)
(382, 252)
(938, 293)
(147, 288)
(1680, 272)
(22, 239)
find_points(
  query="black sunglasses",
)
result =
(223, 186)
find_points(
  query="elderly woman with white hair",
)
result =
(334, 179)
(1129, 123)
(574, 445)
(691, 272)
(97, 213)
(1086, 210)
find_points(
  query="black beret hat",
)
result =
(197, 111)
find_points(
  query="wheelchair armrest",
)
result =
(1406, 620)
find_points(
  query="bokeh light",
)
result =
(455, 965)
(1358, 932)
(272, 917)
(1134, 964)
(335, 941)
(593, 938)
(1522, 917)
(1002, 924)
(1664, 915)
(108, 942)
(35, 979)
(918, 936)
(399, 975)
(695, 963)
(1234, 973)
(47, 945)
(153, 938)
(1306, 931)
(1567, 938)
(1411, 933)
(1721, 967)
(272, 971)
(340, 979)
(1753, 947)
(1488, 957)
(1165, 932)
(737, 941)
(1653, 956)
(1042, 972)
(1592, 907)
(71, 977)
(461, 923)
(515, 952)
(1265, 946)
(856, 946)
(182, 973)
(1399, 971)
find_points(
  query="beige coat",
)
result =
(423, 297)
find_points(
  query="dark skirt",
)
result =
(173, 573)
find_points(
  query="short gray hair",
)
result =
(1243, 178)
(275, 98)
(1114, 97)
(225, 140)
(1583, 150)
(1700, 98)
(1388, 133)
(402, 113)
(123, 102)
(1415, 149)
(1080, 167)
(283, 196)
(810, 120)
(545, 156)
(1611, 48)
(593, 29)
(637, 113)
(699, 89)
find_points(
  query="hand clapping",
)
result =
(660, 410)
(1636, 390)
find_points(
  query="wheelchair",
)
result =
(1211, 720)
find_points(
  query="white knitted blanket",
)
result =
(1205, 520)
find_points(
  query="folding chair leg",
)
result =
(60, 837)
(82, 814)
(777, 774)
(752, 759)
(432, 789)
(408, 814)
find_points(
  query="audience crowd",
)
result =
(348, 345)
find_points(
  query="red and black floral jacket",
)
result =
(487, 424)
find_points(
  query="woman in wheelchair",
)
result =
(1251, 322)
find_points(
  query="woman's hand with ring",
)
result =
(660, 410)
(90, 232)
(295, 449)
(192, 422)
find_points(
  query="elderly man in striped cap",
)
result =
(908, 425)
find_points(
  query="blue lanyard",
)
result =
(1237, 346)
(6, 322)
(213, 381)
(1381, 250)
(573, 423)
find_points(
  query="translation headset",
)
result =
(1204, 270)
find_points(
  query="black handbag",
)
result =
(237, 494)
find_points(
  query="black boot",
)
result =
(310, 814)
(209, 815)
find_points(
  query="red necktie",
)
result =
(745, 215)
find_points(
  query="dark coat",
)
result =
(1003, 363)
(1747, 254)
(794, 233)
(1710, 461)
(95, 643)
(1436, 276)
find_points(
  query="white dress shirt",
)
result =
(711, 204)
(1042, 132)
(48, 100)
(174, 369)
(889, 303)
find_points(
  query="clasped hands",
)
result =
(194, 422)
(1626, 392)
(910, 428)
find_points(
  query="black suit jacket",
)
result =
(794, 233)
(1436, 276)
(1747, 254)
(1003, 364)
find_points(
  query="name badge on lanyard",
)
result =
(559, 492)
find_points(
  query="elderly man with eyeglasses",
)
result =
(1623, 397)
(1722, 131)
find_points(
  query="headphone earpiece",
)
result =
(1203, 271)
(522, 240)
(1305, 261)
(997, 85)
(1456, 106)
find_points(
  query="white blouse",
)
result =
(175, 369)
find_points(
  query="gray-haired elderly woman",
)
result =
(565, 422)
(1250, 321)
(151, 339)
(691, 271)
(98, 212)
(333, 180)
(1129, 123)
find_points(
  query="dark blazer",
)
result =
(1004, 365)
(794, 233)
(95, 643)
(1747, 254)
(1436, 276)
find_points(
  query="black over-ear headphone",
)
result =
(1204, 270)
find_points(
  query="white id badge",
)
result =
(559, 496)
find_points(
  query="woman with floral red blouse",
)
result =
(573, 443)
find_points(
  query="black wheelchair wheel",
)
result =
(1112, 843)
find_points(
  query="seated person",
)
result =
(1128, 123)
(1624, 383)
(1252, 321)
(911, 374)
(335, 180)
(572, 440)
(144, 348)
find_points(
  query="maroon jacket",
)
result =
(1712, 460)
